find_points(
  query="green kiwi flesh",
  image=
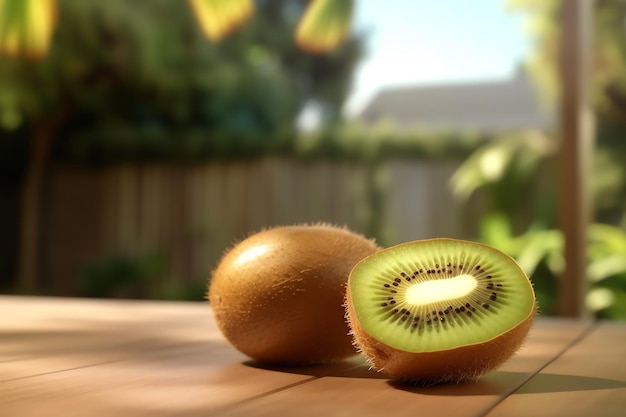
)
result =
(439, 295)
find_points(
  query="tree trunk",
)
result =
(31, 200)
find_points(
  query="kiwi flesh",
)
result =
(439, 310)
(277, 296)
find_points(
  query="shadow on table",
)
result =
(350, 368)
(496, 383)
(500, 382)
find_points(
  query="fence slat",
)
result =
(191, 214)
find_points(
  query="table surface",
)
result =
(113, 357)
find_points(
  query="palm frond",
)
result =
(26, 27)
(324, 25)
(218, 18)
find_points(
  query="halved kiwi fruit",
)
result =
(278, 295)
(439, 310)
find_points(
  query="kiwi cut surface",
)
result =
(452, 299)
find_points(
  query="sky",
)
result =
(413, 42)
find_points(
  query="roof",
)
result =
(487, 106)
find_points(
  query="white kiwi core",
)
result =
(435, 291)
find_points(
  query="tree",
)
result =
(609, 48)
(141, 75)
(608, 91)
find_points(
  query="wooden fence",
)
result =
(192, 213)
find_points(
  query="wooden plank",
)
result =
(80, 332)
(589, 379)
(100, 358)
(259, 194)
(362, 392)
(407, 206)
(349, 195)
(214, 212)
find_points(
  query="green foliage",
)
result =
(541, 247)
(503, 167)
(123, 276)
(608, 53)
(324, 25)
(363, 142)
(26, 27)
(607, 87)
(607, 271)
(138, 79)
(520, 221)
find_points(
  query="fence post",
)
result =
(576, 144)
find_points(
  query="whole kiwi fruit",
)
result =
(439, 310)
(278, 295)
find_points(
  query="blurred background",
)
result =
(137, 149)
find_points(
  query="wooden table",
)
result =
(78, 357)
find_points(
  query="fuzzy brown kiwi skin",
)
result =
(464, 363)
(286, 305)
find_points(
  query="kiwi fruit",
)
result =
(439, 310)
(278, 295)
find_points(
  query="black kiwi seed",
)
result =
(435, 317)
(426, 320)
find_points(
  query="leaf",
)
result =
(219, 18)
(496, 230)
(26, 27)
(324, 25)
(538, 245)
(606, 267)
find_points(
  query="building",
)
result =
(492, 106)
